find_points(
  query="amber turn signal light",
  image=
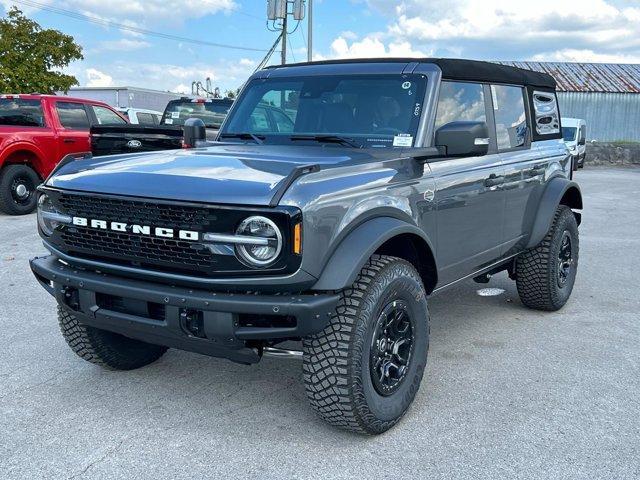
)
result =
(297, 239)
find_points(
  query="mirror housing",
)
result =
(194, 132)
(464, 139)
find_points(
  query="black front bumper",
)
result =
(227, 325)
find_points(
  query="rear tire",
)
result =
(545, 274)
(107, 349)
(362, 372)
(18, 185)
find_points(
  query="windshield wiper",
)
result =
(259, 139)
(350, 142)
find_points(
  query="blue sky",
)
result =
(553, 30)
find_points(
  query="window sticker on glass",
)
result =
(175, 114)
(406, 85)
(168, 121)
(403, 140)
(494, 97)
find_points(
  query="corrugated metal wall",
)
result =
(610, 117)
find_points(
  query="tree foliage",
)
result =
(31, 58)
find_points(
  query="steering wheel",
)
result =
(388, 130)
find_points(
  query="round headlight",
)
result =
(268, 243)
(46, 222)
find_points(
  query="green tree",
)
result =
(31, 58)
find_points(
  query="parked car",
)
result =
(36, 131)
(391, 181)
(574, 133)
(108, 140)
(141, 116)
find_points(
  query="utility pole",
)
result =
(310, 31)
(278, 10)
(283, 56)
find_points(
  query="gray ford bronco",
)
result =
(337, 198)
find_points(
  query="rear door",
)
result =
(74, 123)
(469, 198)
(525, 165)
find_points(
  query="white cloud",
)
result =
(584, 56)
(226, 74)
(371, 47)
(497, 29)
(96, 78)
(124, 45)
(152, 11)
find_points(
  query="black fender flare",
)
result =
(353, 252)
(558, 188)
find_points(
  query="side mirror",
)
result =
(463, 138)
(194, 132)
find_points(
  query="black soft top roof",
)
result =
(458, 69)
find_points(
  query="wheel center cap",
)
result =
(382, 344)
(21, 190)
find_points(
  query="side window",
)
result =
(545, 106)
(72, 115)
(511, 119)
(582, 140)
(106, 116)
(460, 101)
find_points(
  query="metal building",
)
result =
(606, 95)
(126, 97)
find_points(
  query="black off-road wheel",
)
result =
(362, 372)
(107, 349)
(18, 185)
(545, 274)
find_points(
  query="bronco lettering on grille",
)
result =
(161, 232)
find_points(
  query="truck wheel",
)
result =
(18, 189)
(107, 349)
(364, 369)
(546, 273)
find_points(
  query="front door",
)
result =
(469, 198)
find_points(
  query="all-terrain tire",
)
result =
(107, 349)
(11, 178)
(538, 269)
(336, 366)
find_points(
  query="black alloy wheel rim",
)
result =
(21, 190)
(565, 259)
(391, 348)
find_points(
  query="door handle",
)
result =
(493, 180)
(69, 140)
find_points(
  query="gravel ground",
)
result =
(508, 392)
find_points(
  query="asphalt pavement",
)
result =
(508, 392)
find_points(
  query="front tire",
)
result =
(107, 349)
(545, 274)
(362, 372)
(18, 185)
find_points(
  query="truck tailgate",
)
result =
(115, 139)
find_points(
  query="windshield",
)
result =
(211, 112)
(19, 112)
(355, 110)
(569, 133)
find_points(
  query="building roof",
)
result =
(452, 69)
(588, 77)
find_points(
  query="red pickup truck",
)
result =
(36, 132)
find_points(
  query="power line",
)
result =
(129, 28)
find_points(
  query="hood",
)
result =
(224, 173)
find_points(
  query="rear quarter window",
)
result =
(72, 115)
(21, 112)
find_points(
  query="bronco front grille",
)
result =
(153, 252)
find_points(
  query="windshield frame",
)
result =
(418, 110)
